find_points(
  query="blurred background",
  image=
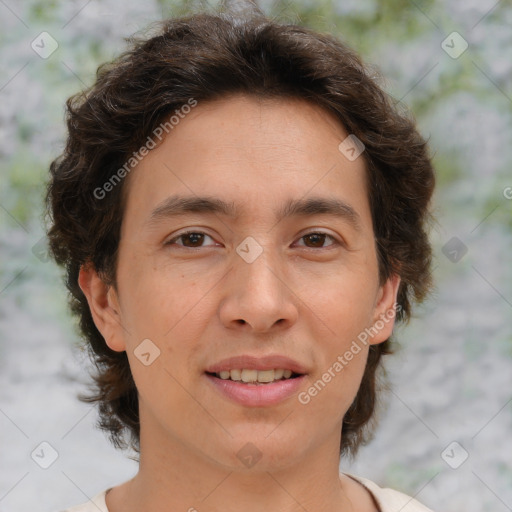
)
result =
(445, 428)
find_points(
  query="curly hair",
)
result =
(209, 56)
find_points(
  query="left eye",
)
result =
(318, 238)
(197, 237)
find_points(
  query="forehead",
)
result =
(249, 151)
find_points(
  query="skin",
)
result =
(303, 297)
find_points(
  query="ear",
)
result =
(104, 306)
(385, 311)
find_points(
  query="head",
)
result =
(239, 121)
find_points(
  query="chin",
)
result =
(260, 449)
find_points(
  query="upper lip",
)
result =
(248, 362)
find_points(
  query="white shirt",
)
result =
(388, 500)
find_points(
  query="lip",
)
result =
(270, 362)
(257, 395)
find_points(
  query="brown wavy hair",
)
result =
(207, 56)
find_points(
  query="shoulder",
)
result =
(96, 504)
(390, 500)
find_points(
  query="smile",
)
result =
(256, 376)
(252, 392)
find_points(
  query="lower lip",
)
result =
(254, 395)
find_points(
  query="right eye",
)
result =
(191, 239)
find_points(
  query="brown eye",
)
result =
(190, 239)
(193, 238)
(317, 239)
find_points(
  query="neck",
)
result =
(173, 476)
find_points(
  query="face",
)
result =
(274, 269)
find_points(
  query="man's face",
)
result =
(263, 282)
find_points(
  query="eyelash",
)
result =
(195, 232)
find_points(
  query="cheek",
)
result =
(345, 309)
(172, 312)
(162, 391)
(158, 301)
(345, 304)
(331, 392)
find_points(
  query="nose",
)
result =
(258, 297)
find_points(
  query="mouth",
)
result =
(255, 377)
(257, 381)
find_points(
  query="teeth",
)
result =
(236, 374)
(266, 376)
(250, 376)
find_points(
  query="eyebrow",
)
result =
(177, 205)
